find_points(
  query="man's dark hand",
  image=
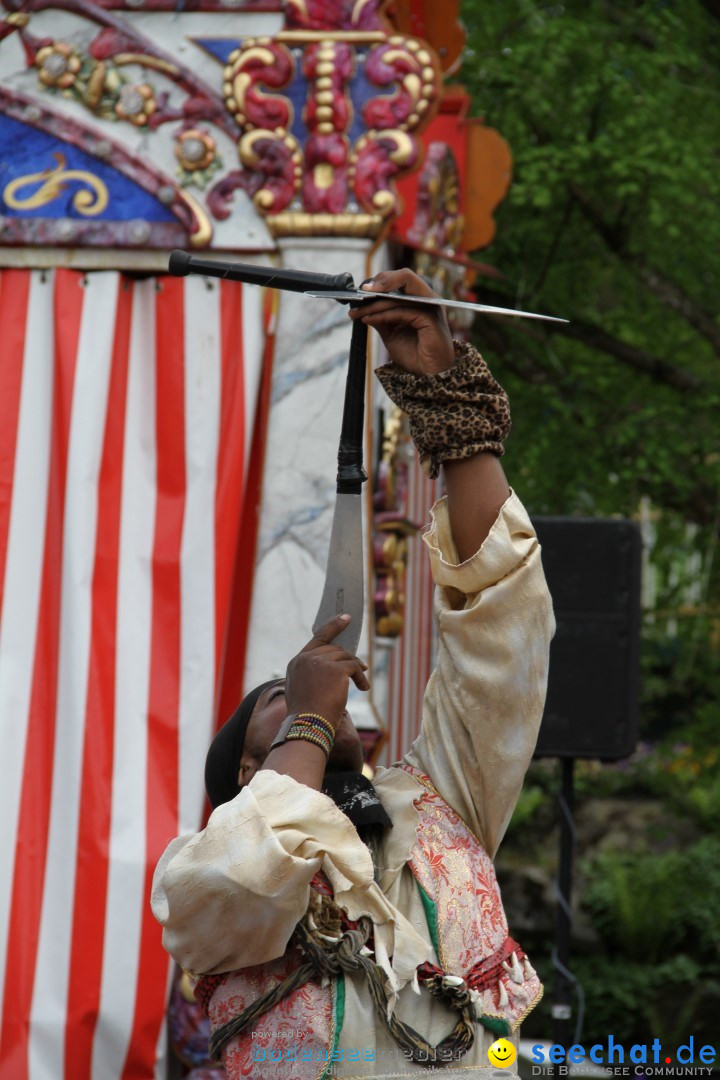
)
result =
(417, 339)
(318, 678)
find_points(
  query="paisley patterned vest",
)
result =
(468, 928)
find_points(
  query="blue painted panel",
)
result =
(220, 48)
(25, 150)
(362, 90)
(297, 92)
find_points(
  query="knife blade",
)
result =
(356, 295)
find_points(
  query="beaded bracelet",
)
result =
(310, 727)
(316, 720)
(316, 740)
(307, 733)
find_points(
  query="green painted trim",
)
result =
(339, 1014)
(339, 1007)
(494, 1024)
(431, 917)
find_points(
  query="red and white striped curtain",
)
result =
(126, 411)
(412, 656)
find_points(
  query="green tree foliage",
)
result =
(612, 220)
(659, 920)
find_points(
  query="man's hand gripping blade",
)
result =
(343, 591)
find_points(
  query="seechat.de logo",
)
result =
(684, 1060)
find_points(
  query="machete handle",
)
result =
(351, 475)
(181, 264)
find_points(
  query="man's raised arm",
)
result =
(484, 701)
(443, 423)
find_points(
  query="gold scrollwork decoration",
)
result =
(260, 62)
(203, 233)
(391, 528)
(404, 146)
(154, 62)
(89, 201)
(300, 223)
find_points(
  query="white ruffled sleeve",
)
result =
(230, 896)
(484, 701)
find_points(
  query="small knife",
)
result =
(355, 295)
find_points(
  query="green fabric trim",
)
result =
(339, 1010)
(431, 917)
(494, 1024)
(339, 1007)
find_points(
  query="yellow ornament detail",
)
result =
(53, 182)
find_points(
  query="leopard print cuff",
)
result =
(454, 414)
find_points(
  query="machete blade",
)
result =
(343, 591)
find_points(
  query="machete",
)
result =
(343, 590)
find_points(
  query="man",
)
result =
(344, 929)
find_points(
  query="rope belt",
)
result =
(328, 959)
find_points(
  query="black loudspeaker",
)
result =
(593, 569)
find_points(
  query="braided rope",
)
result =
(328, 960)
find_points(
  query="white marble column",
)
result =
(298, 491)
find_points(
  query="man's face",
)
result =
(268, 715)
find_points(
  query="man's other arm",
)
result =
(484, 700)
(476, 490)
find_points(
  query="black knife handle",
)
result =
(272, 277)
(351, 475)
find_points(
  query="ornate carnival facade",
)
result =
(167, 446)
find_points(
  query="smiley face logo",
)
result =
(502, 1053)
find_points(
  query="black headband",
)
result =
(350, 791)
(223, 760)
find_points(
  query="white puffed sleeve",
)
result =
(230, 896)
(484, 701)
